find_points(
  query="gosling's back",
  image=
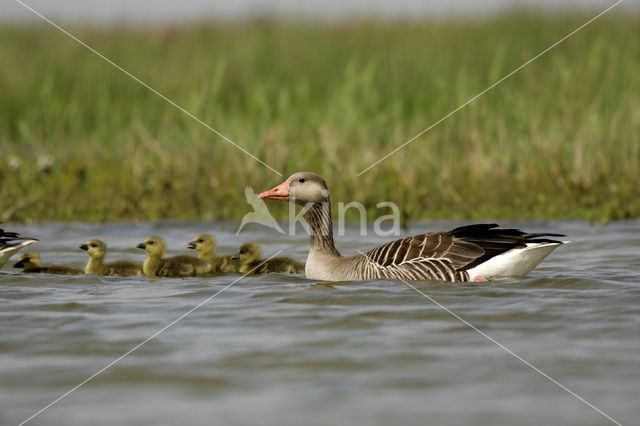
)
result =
(183, 266)
(283, 265)
(31, 263)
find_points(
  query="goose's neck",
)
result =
(319, 218)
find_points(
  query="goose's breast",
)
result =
(321, 266)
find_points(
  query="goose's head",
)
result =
(94, 248)
(203, 242)
(154, 246)
(301, 188)
(248, 252)
(28, 260)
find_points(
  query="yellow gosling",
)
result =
(250, 258)
(178, 266)
(30, 262)
(205, 245)
(97, 250)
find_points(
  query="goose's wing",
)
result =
(449, 254)
(430, 247)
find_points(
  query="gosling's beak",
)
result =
(19, 264)
(142, 246)
(83, 247)
(280, 192)
(235, 257)
(191, 244)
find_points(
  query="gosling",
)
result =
(96, 250)
(30, 262)
(205, 244)
(249, 255)
(177, 266)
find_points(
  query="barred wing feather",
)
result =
(433, 246)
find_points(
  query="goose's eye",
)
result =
(93, 245)
(150, 242)
(201, 240)
(242, 251)
(302, 180)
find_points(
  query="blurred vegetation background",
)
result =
(79, 140)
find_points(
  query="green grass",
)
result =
(79, 140)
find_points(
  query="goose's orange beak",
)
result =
(280, 192)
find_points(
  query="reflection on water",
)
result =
(284, 350)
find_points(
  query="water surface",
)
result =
(283, 350)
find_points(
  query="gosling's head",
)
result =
(96, 249)
(301, 188)
(203, 243)
(153, 245)
(28, 260)
(248, 252)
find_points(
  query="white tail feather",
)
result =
(513, 263)
(10, 249)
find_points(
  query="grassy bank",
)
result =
(81, 141)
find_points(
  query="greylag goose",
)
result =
(469, 253)
(30, 262)
(96, 250)
(11, 242)
(205, 245)
(177, 266)
(250, 259)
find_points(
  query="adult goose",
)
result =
(177, 266)
(250, 258)
(205, 245)
(469, 253)
(31, 263)
(10, 243)
(96, 250)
